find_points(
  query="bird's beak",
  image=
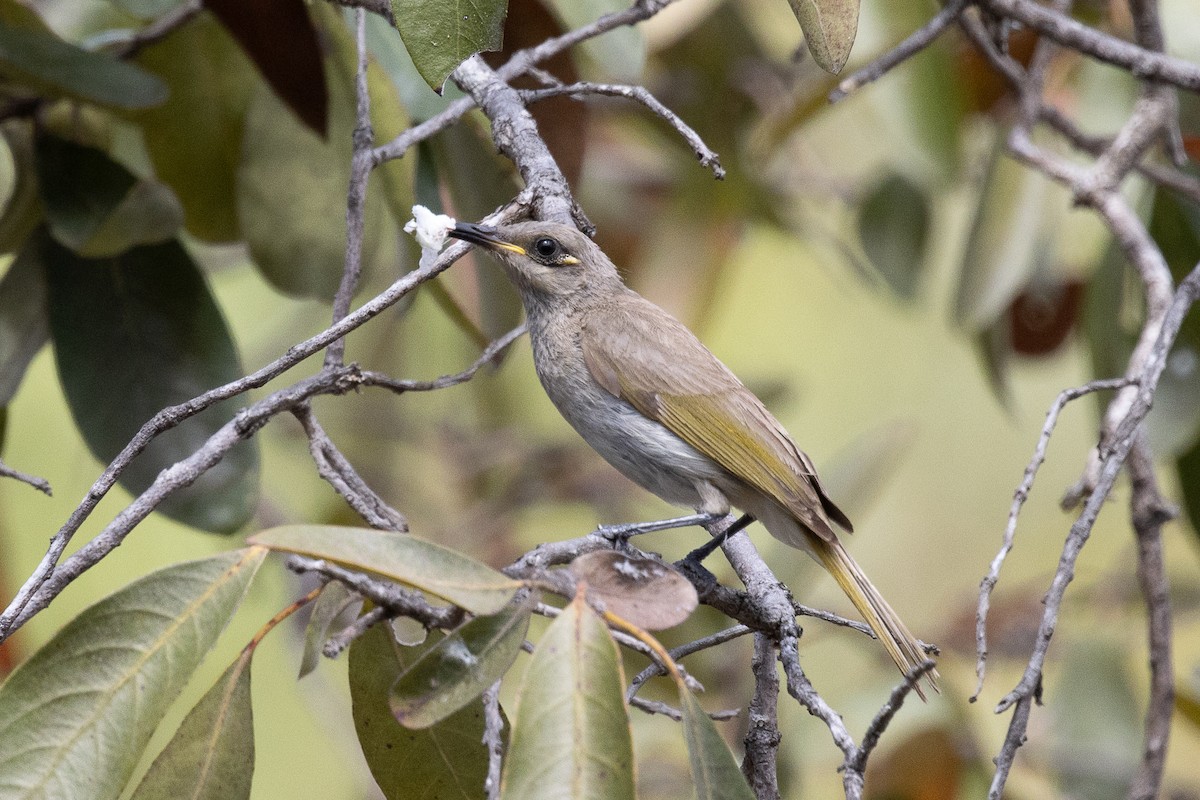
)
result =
(484, 237)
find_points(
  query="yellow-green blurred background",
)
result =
(890, 397)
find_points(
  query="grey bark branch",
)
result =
(706, 156)
(41, 484)
(1126, 434)
(762, 726)
(50, 577)
(361, 163)
(1140, 62)
(337, 470)
(913, 44)
(493, 728)
(1149, 512)
(395, 599)
(1014, 512)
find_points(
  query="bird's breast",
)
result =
(643, 450)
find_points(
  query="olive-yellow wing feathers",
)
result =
(698, 399)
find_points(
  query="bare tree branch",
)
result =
(396, 600)
(762, 729)
(1019, 498)
(1149, 512)
(1114, 456)
(41, 484)
(337, 470)
(361, 163)
(895, 56)
(337, 643)
(493, 729)
(707, 157)
(1140, 62)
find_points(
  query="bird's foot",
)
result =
(702, 552)
(621, 534)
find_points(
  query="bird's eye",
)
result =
(546, 247)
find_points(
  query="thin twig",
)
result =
(361, 163)
(1023, 695)
(884, 716)
(915, 43)
(490, 355)
(337, 470)
(1014, 511)
(670, 711)
(396, 600)
(705, 154)
(712, 640)
(159, 29)
(41, 484)
(493, 739)
(1140, 62)
(518, 64)
(16, 613)
(335, 644)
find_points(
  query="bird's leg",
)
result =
(705, 550)
(621, 534)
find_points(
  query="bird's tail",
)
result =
(901, 645)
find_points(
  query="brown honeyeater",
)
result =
(643, 391)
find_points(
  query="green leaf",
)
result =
(401, 74)
(441, 34)
(447, 761)
(195, 138)
(571, 737)
(1015, 225)
(147, 9)
(402, 557)
(137, 333)
(45, 63)
(462, 665)
(714, 769)
(211, 756)
(23, 209)
(620, 54)
(23, 326)
(334, 603)
(295, 72)
(75, 717)
(298, 239)
(893, 225)
(98, 208)
(829, 27)
(1188, 466)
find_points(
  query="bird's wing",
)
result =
(641, 354)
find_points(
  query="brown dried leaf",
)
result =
(651, 595)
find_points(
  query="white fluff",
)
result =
(431, 231)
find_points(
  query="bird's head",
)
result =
(546, 260)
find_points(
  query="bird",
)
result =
(645, 393)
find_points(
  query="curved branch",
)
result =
(707, 156)
(1140, 62)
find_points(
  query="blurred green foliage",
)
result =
(907, 297)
